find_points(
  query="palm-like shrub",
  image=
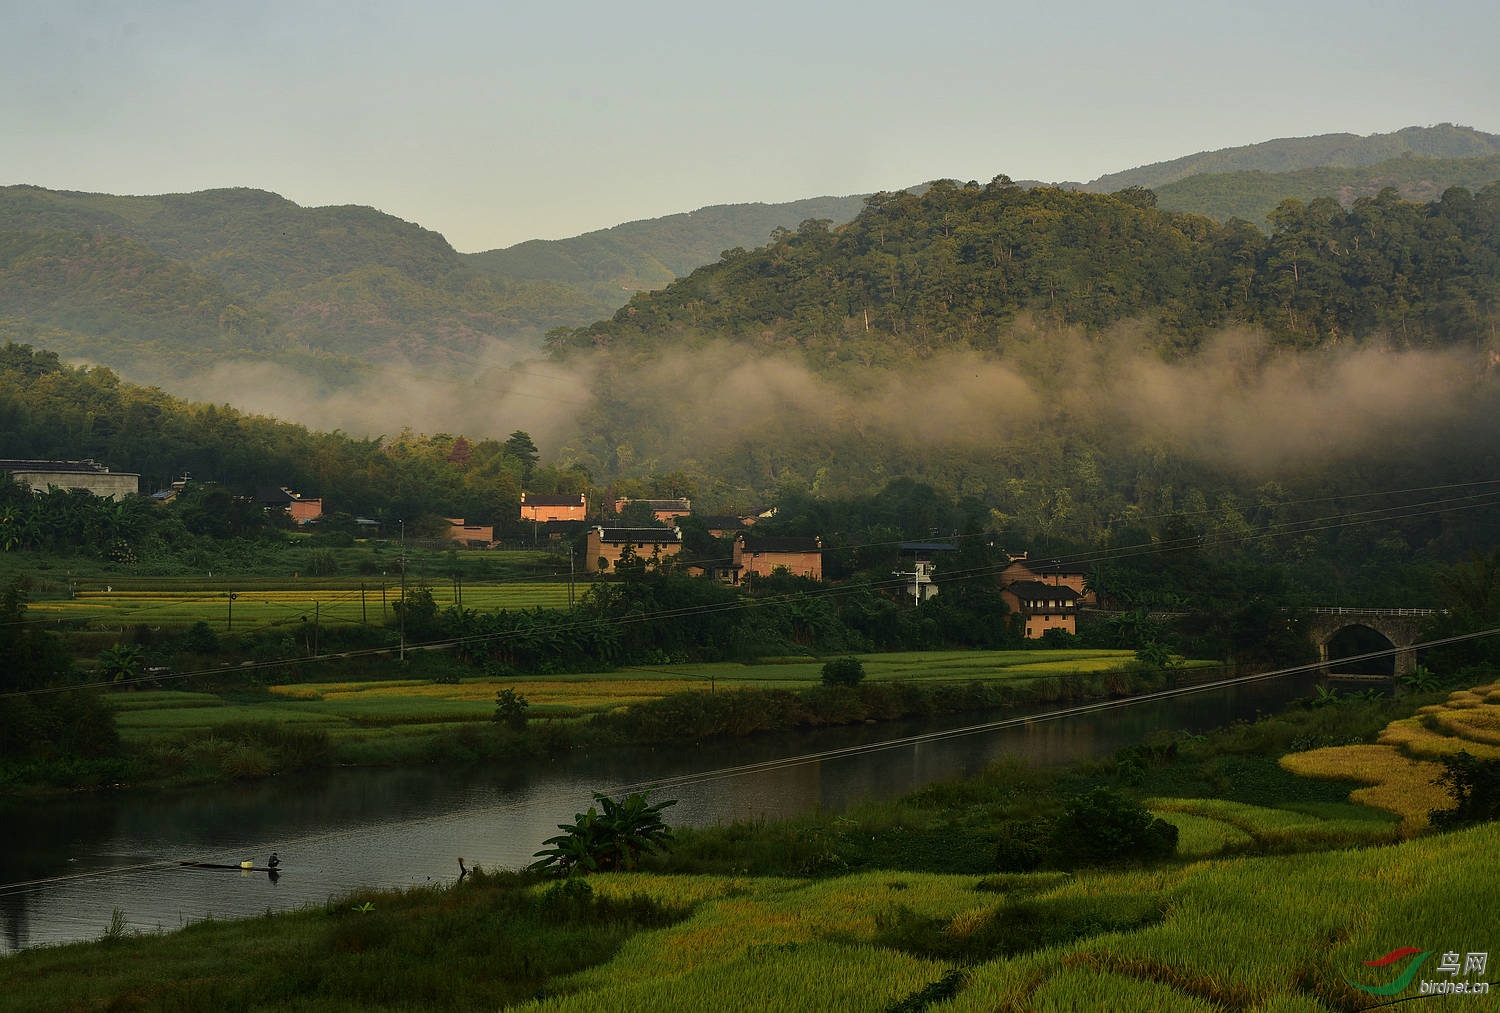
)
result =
(610, 836)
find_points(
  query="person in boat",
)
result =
(273, 862)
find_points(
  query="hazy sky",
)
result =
(494, 122)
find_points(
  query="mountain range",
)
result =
(164, 287)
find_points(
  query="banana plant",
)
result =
(607, 840)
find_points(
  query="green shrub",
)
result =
(1475, 787)
(848, 671)
(510, 709)
(1104, 827)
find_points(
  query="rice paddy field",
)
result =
(1264, 934)
(1399, 770)
(258, 606)
(415, 707)
(1282, 934)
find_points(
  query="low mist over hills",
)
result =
(1073, 360)
(1034, 347)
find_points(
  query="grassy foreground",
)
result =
(1280, 892)
(1285, 933)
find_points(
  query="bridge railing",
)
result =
(1328, 611)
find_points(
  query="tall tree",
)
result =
(520, 446)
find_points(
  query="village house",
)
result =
(1042, 607)
(918, 575)
(1055, 572)
(606, 545)
(568, 507)
(724, 525)
(39, 476)
(763, 556)
(715, 569)
(299, 507)
(475, 536)
(662, 510)
(1045, 594)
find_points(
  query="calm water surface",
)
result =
(70, 863)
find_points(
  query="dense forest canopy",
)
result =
(951, 266)
(1078, 363)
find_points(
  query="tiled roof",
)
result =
(537, 499)
(653, 536)
(1035, 590)
(772, 543)
(68, 467)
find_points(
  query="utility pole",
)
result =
(570, 576)
(401, 561)
(232, 597)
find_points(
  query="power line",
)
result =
(1327, 522)
(790, 762)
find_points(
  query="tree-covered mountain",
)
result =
(648, 254)
(1287, 154)
(1078, 362)
(1253, 196)
(955, 264)
(159, 286)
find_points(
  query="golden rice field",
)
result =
(1280, 934)
(1211, 826)
(1401, 768)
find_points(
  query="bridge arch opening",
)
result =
(1357, 639)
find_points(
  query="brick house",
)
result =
(1055, 572)
(1042, 607)
(662, 510)
(301, 508)
(724, 525)
(715, 569)
(473, 535)
(762, 556)
(569, 507)
(605, 545)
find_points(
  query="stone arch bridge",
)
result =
(1401, 627)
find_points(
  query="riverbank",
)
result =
(845, 911)
(178, 737)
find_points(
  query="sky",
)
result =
(494, 122)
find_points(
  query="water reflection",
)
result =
(346, 829)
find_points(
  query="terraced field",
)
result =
(1401, 768)
(1267, 934)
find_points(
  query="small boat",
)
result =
(242, 866)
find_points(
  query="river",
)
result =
(73, 862)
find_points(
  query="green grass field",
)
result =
(363, 709)
(259, 606)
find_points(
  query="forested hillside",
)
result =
(648, 254)
(1076, 361)
(160, 287)
(948, 267)
(1254, 196)
(52, 410)
(1287, 154)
